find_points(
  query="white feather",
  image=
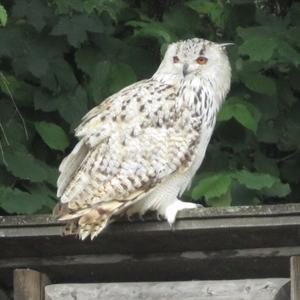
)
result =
(69, 166)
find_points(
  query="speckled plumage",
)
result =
(139, 149)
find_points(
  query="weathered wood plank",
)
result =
(211, 212)
(295, 277)
(151, 251)
(3, 295)
(151, 237)
(29, 284)
(189, 265)
(263, 289)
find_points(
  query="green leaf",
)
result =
(99, 83)
(60, 76)
(87, 59)
(181, 20)
(3, 15)
(293, 34)
(255, 181)
(109, 78)
(11, 41)
(242, 111)
(121, 75)
(65, 7)
(212, 186)
(44, 102)
(290, 169)
(264, 164)
(73, 107)
(76, 28)
(252, 32)
(259, 83)
(215, 9)
(288, 53)
(259, 48)
(16, 201)
(222, 201)
(112, 8)
(53, 135)
(278, 189)
(243, 196)
(153, 29)
(36, 12)
(24, 165)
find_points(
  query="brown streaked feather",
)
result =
(130, 145)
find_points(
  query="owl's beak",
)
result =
(185, 70)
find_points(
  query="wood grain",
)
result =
(295, 278)
(29, 284)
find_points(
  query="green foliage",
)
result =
(53, 135)
(59, 58)
(242, 111)
(3, 15)
(212, 186)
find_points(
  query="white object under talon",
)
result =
(173, 208)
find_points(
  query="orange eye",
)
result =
(175, 59)
(201, 60)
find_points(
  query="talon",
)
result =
(199, 205)
(172, 226)
(159, 217)
(129, 218)
(141, 218)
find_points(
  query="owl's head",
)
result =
(195, 58)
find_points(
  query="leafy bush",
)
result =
(62, 57)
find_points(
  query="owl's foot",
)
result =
(159, 217)
(132, 215)
(175, 207)
(129, 218)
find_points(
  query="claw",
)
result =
(159, 217)
(172, 227)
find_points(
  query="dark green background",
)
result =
(62, 57)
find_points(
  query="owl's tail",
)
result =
(92, 223)
(88, 221)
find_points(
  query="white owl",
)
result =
(139, 149)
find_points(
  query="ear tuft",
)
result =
(225, 45)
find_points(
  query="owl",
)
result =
(140, 148)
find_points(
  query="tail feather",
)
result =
(69, 166)
(92, 223)
(88, 221)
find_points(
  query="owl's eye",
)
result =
(175, 59)
(201, 60)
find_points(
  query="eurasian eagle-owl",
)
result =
(139, 149)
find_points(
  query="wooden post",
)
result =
(29, 284)
(295, 278)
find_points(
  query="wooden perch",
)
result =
(207, 244)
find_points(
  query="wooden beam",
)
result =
(258, 289)
(295, 277)
(29, 284)
(188, 265)
(205, 244)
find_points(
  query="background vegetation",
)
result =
(59, 58)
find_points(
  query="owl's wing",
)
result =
(129, 144)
